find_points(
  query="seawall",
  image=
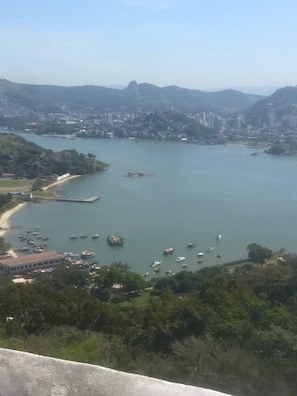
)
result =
(23, 373)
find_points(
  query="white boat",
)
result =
(185, 265)
(155, 263)
(218, 237)
(209, 249)
(179, 259)
(200, 254)
(87, 254)
(168, 251)
(95, 236)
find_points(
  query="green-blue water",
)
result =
(195, 193)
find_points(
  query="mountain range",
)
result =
(135, 97)
(27, 100)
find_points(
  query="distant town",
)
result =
(162, 126)
(143, 111)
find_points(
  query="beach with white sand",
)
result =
(60, 181)
(4, 223)
(4, 218)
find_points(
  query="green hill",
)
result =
(28, 160)
(144, 97)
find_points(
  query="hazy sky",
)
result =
(200, 44)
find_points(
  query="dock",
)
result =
(63, 199)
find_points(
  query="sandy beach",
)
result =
(4, 219)
(60, 181)
(4, 223)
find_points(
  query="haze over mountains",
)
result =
(27, 100)
(144, 97)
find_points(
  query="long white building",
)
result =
(30, 262)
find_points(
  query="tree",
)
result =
(258, 254)
(133, 282)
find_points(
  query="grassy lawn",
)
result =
(140, 300)
(42, 194)
(22, 184)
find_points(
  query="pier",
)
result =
(87, 200)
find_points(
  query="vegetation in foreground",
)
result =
(233, 331)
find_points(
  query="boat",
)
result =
(86, 254)
(147, 274)
(168, 251)
(23, 249)
(191, 244)
(115, 240)
(209, 249)
(73, 236)
(218, 237)
(200, 254)
(38, 250)
(185, 265)
(83, 235)
(179, 259)
(155, 263)
(95, 236)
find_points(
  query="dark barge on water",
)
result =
(115, 240)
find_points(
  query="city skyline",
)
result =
(186, 43)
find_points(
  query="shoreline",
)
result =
(5, 216)
(60, 181)
(4, 224)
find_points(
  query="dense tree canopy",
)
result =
(234, 331)
(258, 254)
(26, 159)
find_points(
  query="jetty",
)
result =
(63, 199)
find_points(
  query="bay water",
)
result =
(195, 193)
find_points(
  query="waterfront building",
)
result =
(30, 262)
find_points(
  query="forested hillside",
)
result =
(28, 160)
(58, 99)
(230, 331)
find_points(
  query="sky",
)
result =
(196, 44)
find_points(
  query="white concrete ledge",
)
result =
(27, 374)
